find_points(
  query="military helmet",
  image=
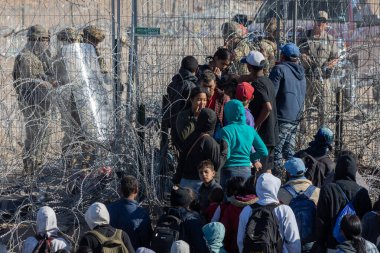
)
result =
(270, 25)
(93, 33)
(70, 34)
(231, 29)
(324, 136)
(37, 31)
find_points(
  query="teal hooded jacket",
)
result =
(240, 137)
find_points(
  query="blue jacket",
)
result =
(290, 88)
(128, 216)
(240, 137)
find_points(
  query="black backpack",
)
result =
(305, 211)
(168, 230)
(317, 169)
(44, 244)
(262, 231)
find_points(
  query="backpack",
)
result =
(317, 169)
(262, 231)
(44, 244)
(305, 211)
(167, 231)
(112, 244)
(347, 210)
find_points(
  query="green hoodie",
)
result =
(240, 137)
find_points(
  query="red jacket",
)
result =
(230, 220)
(221, 100)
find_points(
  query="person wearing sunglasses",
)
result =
(319, 55)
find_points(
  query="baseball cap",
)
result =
(254, 58)
(290, 50)
(295, 167)
(244, 91)
(322, 16)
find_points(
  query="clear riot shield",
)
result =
(86, 85)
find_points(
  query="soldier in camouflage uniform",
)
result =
(238, 46)
(319, 54)
(33, 81)
(70, 121)
(268, 45)
(94, 35)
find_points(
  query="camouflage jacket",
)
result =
(320, 50)
(102, 62)
(29, 72)
(239, 51)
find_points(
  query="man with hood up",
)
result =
(332, 201)
(199, 146)
(239, 139)
(98, 219)
(46, 227)
(178, 93)
(318, 154)
(267, 188)
(289, 82)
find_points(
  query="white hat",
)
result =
(254, 58)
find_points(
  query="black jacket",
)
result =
(90, 241)
(205, 147)
(192, 229)
(179, 92)
(331, 201)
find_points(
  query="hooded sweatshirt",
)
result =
(290, 88)
(239, 137)
(331, 201)
(179, 92)
(46, 225)
(204, 148)
(98, 218)
(214, 233)
(230, 219)
(180, 247)
(267, 188)
(348, 247)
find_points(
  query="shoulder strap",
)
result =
(342, 192)
(101, 238)
(195, 142)
(309, 191)
(289, 188)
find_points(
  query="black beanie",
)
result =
(180, 196)
(346, 167)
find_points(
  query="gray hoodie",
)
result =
(46, 225)
(267, 188)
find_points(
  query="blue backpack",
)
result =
(347, 210)
(305, 211)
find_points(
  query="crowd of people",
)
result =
(240, 186)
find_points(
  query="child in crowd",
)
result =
(214, 234)
(206, 172)
(244, 93)
(351, 228)
(241, 197)
(180, 247)
(239, 138)
(216, 198)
